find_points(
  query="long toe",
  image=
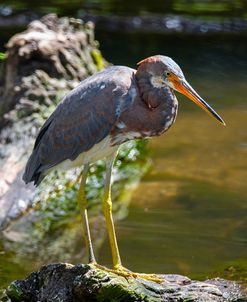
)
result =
(150, 277)
(129, 274)
(124, 272)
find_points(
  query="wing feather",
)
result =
(84, 118)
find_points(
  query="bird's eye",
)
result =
(168, 73)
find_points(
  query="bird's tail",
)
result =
(32, 170)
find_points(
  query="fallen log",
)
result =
(43, 63)
(84, 283)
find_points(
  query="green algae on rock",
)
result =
(65, 282)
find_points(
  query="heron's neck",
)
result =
(157, 95)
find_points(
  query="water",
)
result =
(188, 214)
(138, 7)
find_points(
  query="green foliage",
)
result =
(58, 204)
(2, 56)
(98, 59)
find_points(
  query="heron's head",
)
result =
(165, 72)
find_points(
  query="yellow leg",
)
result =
(82, 202)
(107, 210)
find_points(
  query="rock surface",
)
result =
(68, 283)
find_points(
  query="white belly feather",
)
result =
(99, 151)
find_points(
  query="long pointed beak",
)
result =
(184, 87)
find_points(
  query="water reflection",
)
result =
(189, 213)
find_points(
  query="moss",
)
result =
(15, 291)
(2, 56)
(98, 59)
(63, 282)
(234, 270)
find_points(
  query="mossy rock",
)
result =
(68, 283)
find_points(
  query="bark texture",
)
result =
(68, 283)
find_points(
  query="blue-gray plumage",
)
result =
(104, 111)
(84, 118)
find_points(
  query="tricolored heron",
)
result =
(107, 109)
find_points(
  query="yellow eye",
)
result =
(168, 73)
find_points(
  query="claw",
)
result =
(124, 272)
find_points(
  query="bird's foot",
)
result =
(124, 272)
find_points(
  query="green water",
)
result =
(188, 215)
